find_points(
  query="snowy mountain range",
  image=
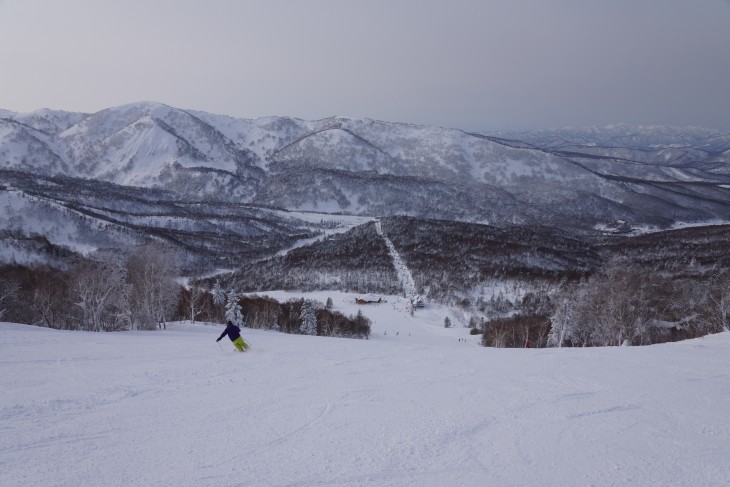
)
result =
(656, 175)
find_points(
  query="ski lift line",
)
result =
(404, 274)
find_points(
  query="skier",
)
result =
(234, 333)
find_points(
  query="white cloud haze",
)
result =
(470, 64)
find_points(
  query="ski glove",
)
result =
(218, 340)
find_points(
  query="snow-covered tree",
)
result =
(219, 297)
(619, 304)
(473, 322)
(447, 322)
(233, 309)
(308, 319)
(563, 320)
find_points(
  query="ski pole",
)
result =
(221, 346)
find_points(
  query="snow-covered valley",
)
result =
(416, 404)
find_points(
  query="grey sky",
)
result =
(476, 65)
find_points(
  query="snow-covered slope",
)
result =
(43, 218)
(51, 122)
(30, 216)
(414, 407)
(24, 148)
(134, 143)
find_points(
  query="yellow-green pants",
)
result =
(240, 344)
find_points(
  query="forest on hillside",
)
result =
(140, 290)
(514, 286)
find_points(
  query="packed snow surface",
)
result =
(418, 406)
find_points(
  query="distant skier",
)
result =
(234, 333)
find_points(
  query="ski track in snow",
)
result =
(404, 274)
(416, 409)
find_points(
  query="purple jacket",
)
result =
(232, 331)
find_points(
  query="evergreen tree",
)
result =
(307, 319)
(233, 310)
(219, 297)
(362, 325)
(447, 322)
(473, 322)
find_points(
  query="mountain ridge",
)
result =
(379, 168)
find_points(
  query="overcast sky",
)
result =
(476, 65)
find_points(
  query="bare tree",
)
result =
(194, 300)
(496, 333)
(152, 273)
(100, 291)
(8, 292)
(717, 314)
(46, 303)
(261, 312)
(626, 304)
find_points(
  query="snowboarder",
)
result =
(234, 333)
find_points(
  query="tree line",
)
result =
(105, 291)
(636, 291)
(139, 290)
(623, 303)
(295, 316)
